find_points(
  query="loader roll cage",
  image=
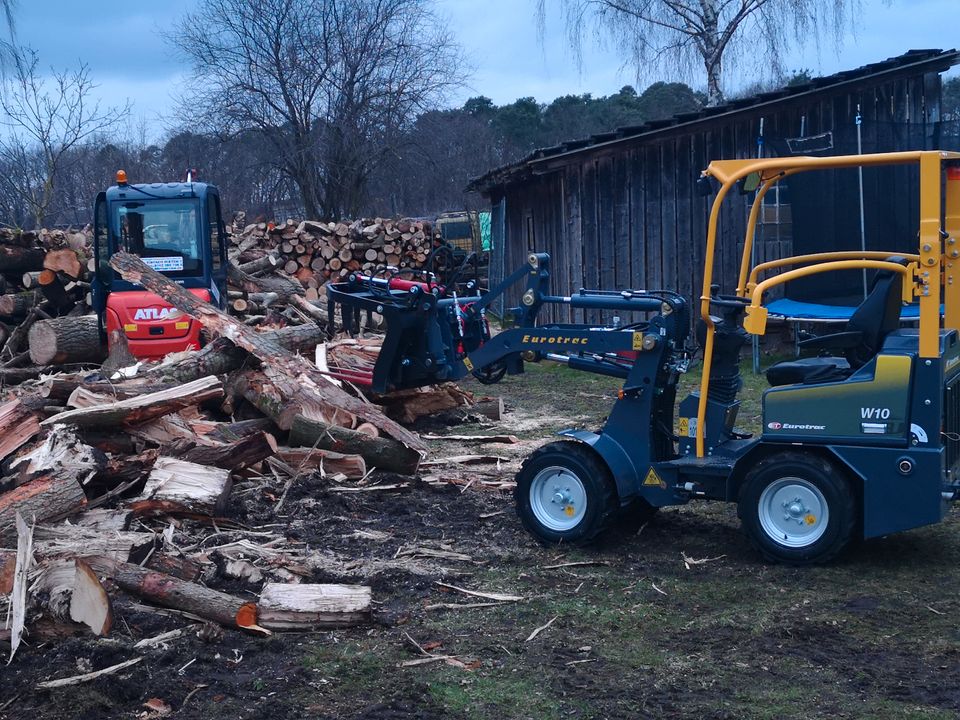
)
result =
(932, 275)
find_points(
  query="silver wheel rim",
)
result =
(558, 498)
(793, 512)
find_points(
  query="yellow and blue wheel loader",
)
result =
(860, 440)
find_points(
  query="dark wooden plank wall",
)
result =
(630, 216)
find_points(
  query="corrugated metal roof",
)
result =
(913, 59)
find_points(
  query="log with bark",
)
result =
(381, 453)
(293, 376)
(171, 592)
(66, 340)
(285, 606)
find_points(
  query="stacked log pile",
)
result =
(315, 252)
(43, 276)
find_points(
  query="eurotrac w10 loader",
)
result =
(861, 440)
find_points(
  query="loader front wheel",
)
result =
(797, 509)
(565, 494)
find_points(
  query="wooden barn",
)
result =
(621, 209)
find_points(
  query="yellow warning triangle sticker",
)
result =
(653, 479)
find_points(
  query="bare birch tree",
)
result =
(684, 34)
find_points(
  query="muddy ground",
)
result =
(674, 619)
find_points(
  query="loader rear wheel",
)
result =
(565, 494)
(797, 509)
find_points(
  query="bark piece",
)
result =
(137, 410)
(187, 487)
(171, 592)
(285, 606)
(66, 340)
(18, 598)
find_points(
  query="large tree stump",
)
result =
(66, 340)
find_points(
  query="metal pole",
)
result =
(755, 339)
(863, 228)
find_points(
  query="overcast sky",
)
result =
(123, 44)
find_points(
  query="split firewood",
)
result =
(137, 410)
(292, 375)
(284, 606)
(74, 593)
(171, 592)
(177, 486)
(65, 261)
(241, 453)
(408, 405)
(51, 496)
(61, 452)
(18, 597)
(103, 520)
(352, 467)
(66, 540)
(17, 425)
(66, 340)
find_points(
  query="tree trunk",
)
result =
(284, 287)
(66, 340)
(171, 592)
(382, 453)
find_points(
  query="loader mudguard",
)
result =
(624, 472)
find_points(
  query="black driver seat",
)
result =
(875, 318)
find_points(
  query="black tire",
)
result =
(592, 506)
(491, 374)
(805, 486)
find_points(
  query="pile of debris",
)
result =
(85, 455)
(314, 252)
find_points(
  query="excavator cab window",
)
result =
(164, 233)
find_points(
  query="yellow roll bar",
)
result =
(923, 277)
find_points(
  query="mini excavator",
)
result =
(860, 440)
